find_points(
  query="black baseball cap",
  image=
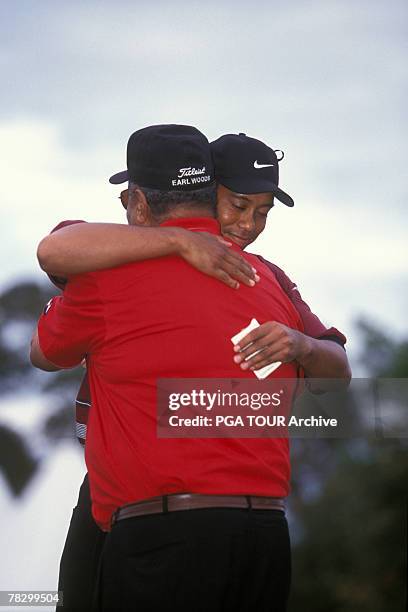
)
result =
(168, 158)
(247, 165)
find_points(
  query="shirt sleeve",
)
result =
(58, 281)
(313, 327)
(72, 325)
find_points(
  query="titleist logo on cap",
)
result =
(190, 171)
(191, 176)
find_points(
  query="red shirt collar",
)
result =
(198, 224)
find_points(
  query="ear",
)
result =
(138, 210)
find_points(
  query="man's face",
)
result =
(242, 217)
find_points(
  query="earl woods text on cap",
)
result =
(190, 176)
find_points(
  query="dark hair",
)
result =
(163, 202)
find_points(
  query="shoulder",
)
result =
(59, 281)
(65, 223)
(283, 279)
(313, 326)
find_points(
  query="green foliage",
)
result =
(16, 461)
(20, 307)
(349, 552)
(353, 555)
(24, 301)
(383, 356)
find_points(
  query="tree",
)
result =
(20, 307)
(350, 543)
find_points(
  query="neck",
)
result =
(188, 212)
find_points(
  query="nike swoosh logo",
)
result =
(257, 166)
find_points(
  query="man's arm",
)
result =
(37, 356)
(319, 350)
(86, 247)
(277, 342)
(70, 327)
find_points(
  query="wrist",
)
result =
(305, 355)
(178, 238)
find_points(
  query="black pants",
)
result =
(208, 560)
(81, 556)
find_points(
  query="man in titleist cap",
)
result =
(194, 524)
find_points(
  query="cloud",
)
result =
(277, 69)
(346, 263)
(44, 183)
(324, 81)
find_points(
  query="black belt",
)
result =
(193, 501)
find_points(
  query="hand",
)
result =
(275, 341)
(213, 256)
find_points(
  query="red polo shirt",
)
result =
(163, 319)
(312, 327)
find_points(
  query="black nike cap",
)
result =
(247, 165)
(168, 158)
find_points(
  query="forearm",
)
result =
(324, 359)
(86, 247)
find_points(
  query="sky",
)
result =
(323, 80)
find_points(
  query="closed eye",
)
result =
(264, 211)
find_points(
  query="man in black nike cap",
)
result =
(247, 165)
